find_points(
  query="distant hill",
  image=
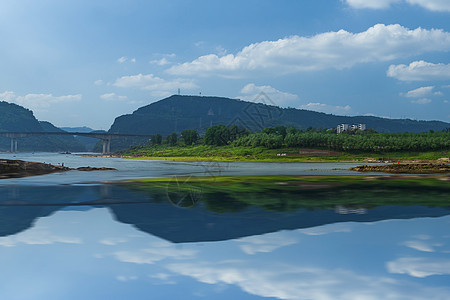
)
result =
(15, 118)
(88, 142)
(176, 113)
(83, 129)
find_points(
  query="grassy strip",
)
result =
(260, 154)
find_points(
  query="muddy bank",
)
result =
(405, 168)
(18, 168)
(11, 168)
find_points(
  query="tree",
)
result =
(218, 135)
(190, 136)
(156, 139)
(172, 139)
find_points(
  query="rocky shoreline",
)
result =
(11, 168)
(428, 168)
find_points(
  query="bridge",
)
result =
(104, 136)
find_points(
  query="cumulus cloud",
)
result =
(251, 92)
(432, 5)
(38, 101)
(420, 71)
(156, 85)
(338, 50)
(113, 97)
(326, 108)
(419, 267)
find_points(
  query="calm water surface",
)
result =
(60, 239)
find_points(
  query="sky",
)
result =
(84, 63)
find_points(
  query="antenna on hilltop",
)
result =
(179, 92)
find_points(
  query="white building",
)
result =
(344, 127)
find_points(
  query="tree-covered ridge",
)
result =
(15, 118)
(375, 142)
(177, 113)
(222, 143)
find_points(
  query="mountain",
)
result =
(83, 129)
(176, 113)
(88, 142)
(15, 118)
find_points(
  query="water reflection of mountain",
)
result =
(20, 206)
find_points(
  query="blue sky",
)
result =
(83, 62)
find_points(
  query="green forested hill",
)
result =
(177, 113)
(15, 118)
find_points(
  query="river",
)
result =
(64, 237)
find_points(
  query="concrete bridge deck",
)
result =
(106, 137)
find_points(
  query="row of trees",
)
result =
(350, 143)
(289, 137)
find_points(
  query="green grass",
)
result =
(260, 154)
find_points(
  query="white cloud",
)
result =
(325, 108)
(160, 62)
(39, 101)
(37, 236)
(124, 59)
(252, 92)
(419, 246)
(422, 101)
(290, 282)
(265, 243)
(433, 5)
(126, 278)
(156, 85)
(98, 82)
(419, 267)
(326, 229)
(373, 4)
(420, 92)
(338, 50)
(112, 241)
(154, 254)
(420, 71)
(7, 96)
(113, 97)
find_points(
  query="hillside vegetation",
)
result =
(221, 143)
(15, 118)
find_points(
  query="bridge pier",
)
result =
(13, 145)
(106, 145)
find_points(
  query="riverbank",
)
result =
(398, 168)
(261, 154)
(10, 168)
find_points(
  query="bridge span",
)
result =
(104, 136)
